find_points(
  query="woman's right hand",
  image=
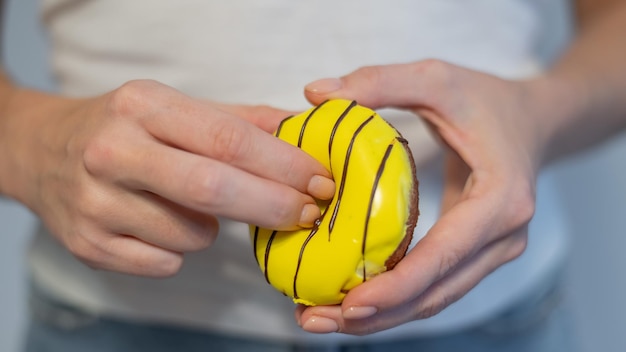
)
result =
(131, 180)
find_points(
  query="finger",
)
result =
(438, 296)
(456, 180)
(218, 135)
(211, 187)
(423, 87)
(160, 222)
(444, 247)
(319, 319)
(400, 85)
(124, 254)
(265, 117)
(450, 289)
(466, 276)
(197, 127)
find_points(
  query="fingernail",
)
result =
(324, 86)
(359, 312)
(310, 213)
(321, 187)
(320, 325)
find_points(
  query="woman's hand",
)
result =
(498, 133)
(132, 180)
(495, 144)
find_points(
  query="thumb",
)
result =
(398, 85)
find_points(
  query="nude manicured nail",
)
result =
(359, 312)
(321, 187)
(320, 325)
(324, 86)
(310, 213)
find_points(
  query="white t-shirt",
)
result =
(264, 52)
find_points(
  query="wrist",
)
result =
(7, 92)
(558, 105)
(28, 132)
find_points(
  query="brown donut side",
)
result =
(414, 213)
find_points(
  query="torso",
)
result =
(264, 53)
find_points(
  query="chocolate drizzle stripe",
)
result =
(379, 173)
(267, 255)
(300, 256)
(344, 175)
(402, 140)
(332, 133)
(306, 122)
(313, 232)
(256, 242)
(280, 125)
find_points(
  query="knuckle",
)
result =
(522, 206)
(373, 79)
(202, 242)
(264, 110)
(167, 266)
(92, 203)
(437, 302)
(371, 74)
(132, 98)
(448, 261)
(443, 83)
(124, 100)
(188, 238)
(84, 248)
(516, 247)
(293, 170)
(204, 236)
(205, 187)
(434, 68)
(98, 155)
(210, 233)
(228, 141)
(282, 212)
(365, 330)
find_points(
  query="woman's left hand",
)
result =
(495, 141)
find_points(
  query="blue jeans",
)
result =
(538, 324)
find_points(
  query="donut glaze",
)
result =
(367, 226)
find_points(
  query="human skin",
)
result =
(131, 180)
(498, 133)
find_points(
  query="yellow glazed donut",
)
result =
(367, 226)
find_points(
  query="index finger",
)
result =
(203, 129)
(457, 237)
(265, 117)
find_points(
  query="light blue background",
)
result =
(594, 191)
